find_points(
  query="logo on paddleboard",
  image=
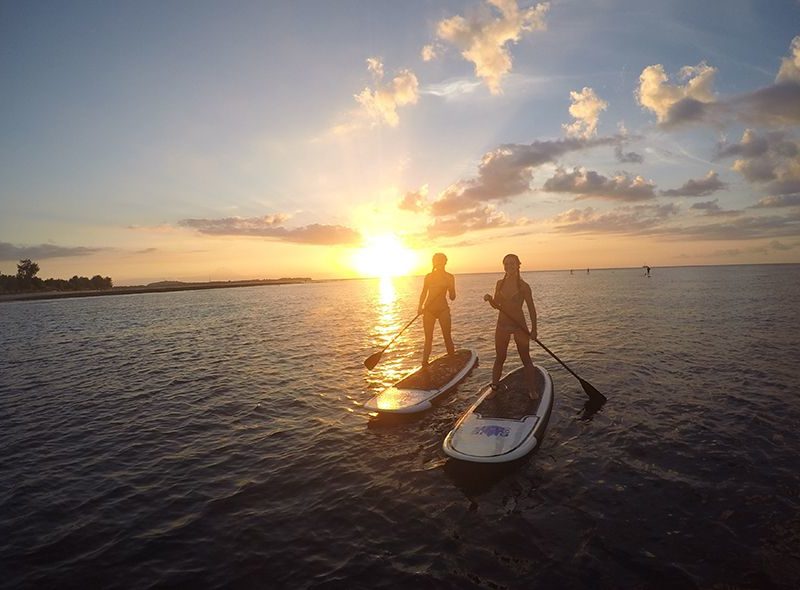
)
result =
(491, 430)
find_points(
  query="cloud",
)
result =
(269, 227)
(452, 89)
(588, 183)
(778, 202)
(775, 105)
(585, 109)
(43, 251)
(507, 171)
(415, 201)
(483, 36)
(771, 160)
(627, 157)
(381, 103)
(777, 245)
(698, 188)
(790, 66)
(478, 218)
(743, 228)
(428, 53)
(628, 219)
(660, 221)
(674, 104)
(713, 208)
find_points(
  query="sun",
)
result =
(384, 256)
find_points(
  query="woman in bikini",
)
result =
(433, 305)
(509, 295)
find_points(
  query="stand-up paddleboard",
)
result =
(417, 390)
(506, 427)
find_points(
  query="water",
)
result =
(215, 439)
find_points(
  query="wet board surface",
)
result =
(506, 427)
(417, 390)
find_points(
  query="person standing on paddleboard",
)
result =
(509, 295)
(433, 305)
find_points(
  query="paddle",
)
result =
(375, 358)
(588, 388)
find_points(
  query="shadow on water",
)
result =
(474, 479)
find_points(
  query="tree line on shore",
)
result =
(26, 280)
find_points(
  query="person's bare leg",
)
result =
(523, 348)
(446, 325)
(501, 339)
(428, 323)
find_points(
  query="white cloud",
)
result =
(585, 108)
(483, 36)
(381, 103)
(790, 66)
(428, 53)
(776, 105)
(675, 103)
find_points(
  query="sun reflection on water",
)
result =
(388, 322)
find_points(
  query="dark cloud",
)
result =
(508, 170)
(778, 201)
(588, 183)
(775, 105)
(268, 227)
(712, 208)
(698, 188)
(742, 228)
(772, 160)
(629, 219)
(627, 157)
(688, 110)
(42, 251)
(776, 245)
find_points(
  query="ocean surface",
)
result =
(216, 439)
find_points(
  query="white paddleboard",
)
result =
(417, 390)
(504, 428)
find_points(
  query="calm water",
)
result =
(215, 439)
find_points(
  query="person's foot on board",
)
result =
(496, 388)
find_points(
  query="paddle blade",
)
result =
(373, 360)
(592, 392)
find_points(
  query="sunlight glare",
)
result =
(384, 256)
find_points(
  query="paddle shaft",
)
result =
(400, 332)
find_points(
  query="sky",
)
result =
(151, 141)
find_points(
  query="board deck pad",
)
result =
(438, 372)
(416, 391)
(513, 403)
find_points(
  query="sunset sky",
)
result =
(149, 141)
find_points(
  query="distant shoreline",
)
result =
(164, 287)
